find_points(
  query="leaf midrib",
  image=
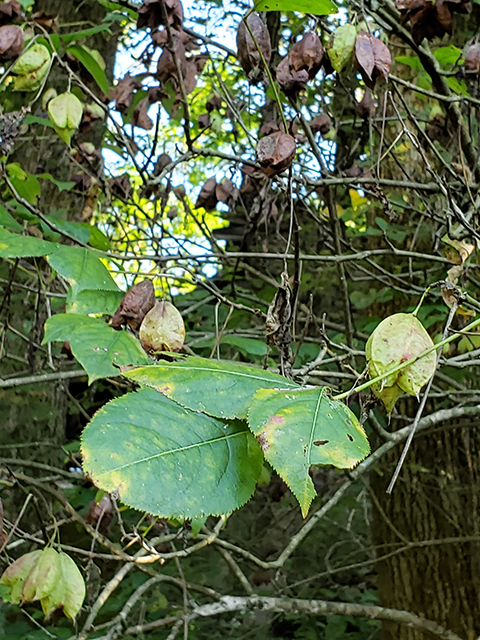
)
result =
(173, 451)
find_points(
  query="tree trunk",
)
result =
(435, 499)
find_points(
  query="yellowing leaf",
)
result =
(398, 339)
(43, 577)
(162, 328)
(31, 68)
(342, 45)
(16, 574)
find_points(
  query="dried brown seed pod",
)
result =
(248, 49)
(162, 329)
(11, 42)
(276, 152)
(135, 305)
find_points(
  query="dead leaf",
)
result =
(267, 128)
(224, 190)
(11, 42)
(248, 49)
(321, 123)
(366, 107)
(430, 19)
(10, 11)
(100, 514)
(47, 21)
(207, 197)
(372, 58)
(120, 186)
(276, 152)
(279, 312)
(135, 305)
(140, 117)
(150, 14)
(163, 161)
(471, 55)
(124, 91)
(214, 104)
(10, 125)
(204, 121)
(166, 67)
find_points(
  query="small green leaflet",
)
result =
(317, 7)
(94, 344)
(169, 461)
(6, 220)
(25, 184)
(299, 428)
(96, 301)
(84, 56)
(221, 389)
(13, 245)
(82, 268)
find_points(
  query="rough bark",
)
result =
(435, 499)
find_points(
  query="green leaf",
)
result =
(96, 301)
(62, 186)
(25, 184)
(317, 7)
(247, 346)
(447, 55)
(6, 220)
(457, 87)
(13, 245)
(75, 229)
(299, 428)
(82, 268)
(343, 43)
(221, 389)
(169, 461)
(94, 344)
(397, 339)
(85, 33)
(29, 119)
(91, 65)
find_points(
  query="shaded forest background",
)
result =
(167, 179)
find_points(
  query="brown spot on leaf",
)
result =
(263, 441)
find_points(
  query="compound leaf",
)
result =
(170, 461)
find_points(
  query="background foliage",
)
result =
(286, 198)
